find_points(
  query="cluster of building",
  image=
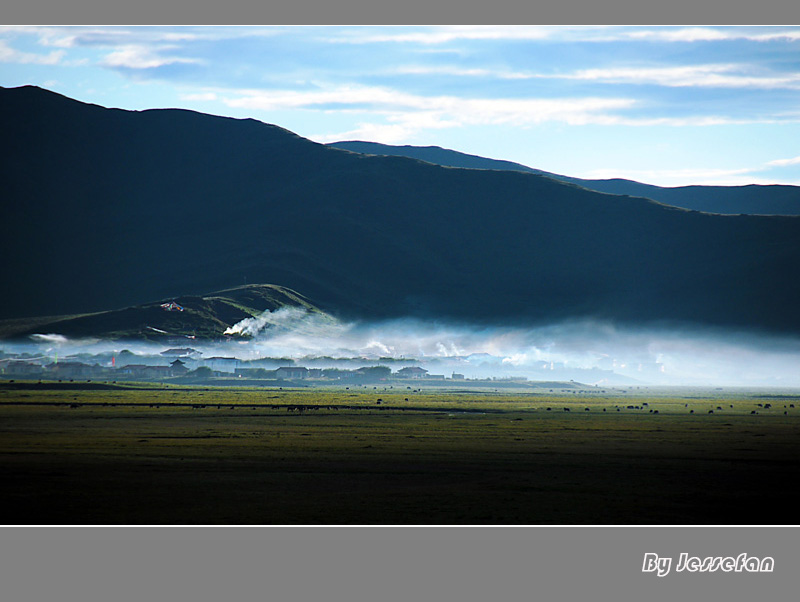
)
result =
(219, 367)
(367, 373)
(71, 370)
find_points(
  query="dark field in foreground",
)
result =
(239, 456)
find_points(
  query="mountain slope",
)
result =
(731, 200)
(202, 317)
(108, 208)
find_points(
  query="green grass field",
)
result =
(149, 454)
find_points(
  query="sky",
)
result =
(670, 106)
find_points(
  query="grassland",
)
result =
(95, 453)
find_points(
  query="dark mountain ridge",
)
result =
(105, 208)
(752, 199)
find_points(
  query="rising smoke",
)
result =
(586, 351)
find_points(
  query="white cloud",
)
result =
(789, 36)
(374, 97)
(134, 56)
(443, 34)
(714, 76)
(573, 111)
(705, 76)
(72, 36)
(47, 36)
(441, 70)
(10, 55)
(401, 128)
(691, 34)
(707, 34)
(461, 72)
(432, 111)
(391, 116)
(785, 162)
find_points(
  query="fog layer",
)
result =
(582, 350)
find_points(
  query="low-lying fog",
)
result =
(582, 350)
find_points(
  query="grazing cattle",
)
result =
(711, 411)
(566, 409)
(548, 409)
(587, 409)
(753, 412)
(767, 406)
(691, 411)
(655, 411)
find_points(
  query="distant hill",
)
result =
(201, 317)
(105, 208)
(731, 200)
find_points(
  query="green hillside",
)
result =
(201, 317)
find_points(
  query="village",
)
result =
(186, 365)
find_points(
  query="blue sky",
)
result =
(664, 105)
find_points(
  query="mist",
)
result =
(587, 351)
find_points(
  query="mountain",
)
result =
(731, 200)
(105, 209)
(201, 317)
